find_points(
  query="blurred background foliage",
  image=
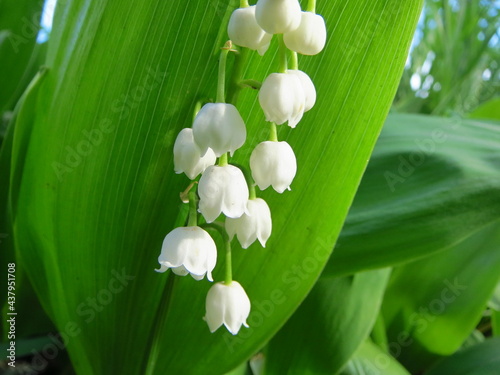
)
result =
(454, 65)
(413, 285)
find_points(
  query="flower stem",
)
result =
(193, 213)
(229, 264)
(244, 4)
(311, 6)
(252, 194)
(282, 54)
(221, 83)
(223, 160)
(273, 133)
(240, 60)
(197, 108)
(219, 227)
(249, 180)
(295, 61)
(252, 83)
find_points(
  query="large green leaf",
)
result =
(489, 110)
(370, 360)
(19, 26)
(25, 299)
(332, 322)
(431, 183)
(495, 322)
(481, 359)
(97, 192)
(431, 306)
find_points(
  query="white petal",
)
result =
(282, 98)
(214, 314)
(273, 163)
(308, 86)
(180, 271)
(228, 305)
(202, 253)
(256, 224)
(187, 155)
(222, 190)
(278, 16)
(220, 127)
(162, 268)
(243, 30)
(310, 37)
(189, 250)
(238, 309)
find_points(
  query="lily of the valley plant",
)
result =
(225, 194)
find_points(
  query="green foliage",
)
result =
(332, 322)
(434, 300)
(19, 26)
(427, 187)
(455, 58)
(481, 359)
(370, 360)
(93, 192)
(431, 306)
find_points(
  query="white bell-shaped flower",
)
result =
(310, 37)
(227, 304)
(308, 86)
(243, 30)
(187, 155)
(282, 98)
(256, 224)
(278, 16)
(188, 250)
(273, 163)
(220, 127)
(222, 189)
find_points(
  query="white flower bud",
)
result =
(282, 98)
(187, 155)
(256, 224)
(222, 189)
(243, 30)
(220, 127)
(278, 16)
(308, 86)
(310, 37)
(188, 250)
(273, 163)
(227, 304)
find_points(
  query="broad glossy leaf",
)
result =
(494, 302)
(371, 360)
(333, 321)
(489, 110)
(495, 322)
(431, 183)
(481, 359)
(98, 193)
(34, 320)
(19, 26)
(432, 305)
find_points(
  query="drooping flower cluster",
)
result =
(218, 130)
